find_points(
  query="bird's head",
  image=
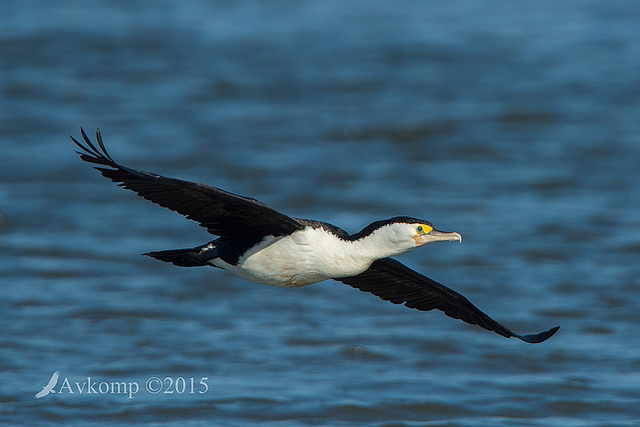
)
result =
(423, 233)
(402, 234)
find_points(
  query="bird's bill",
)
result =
(437, 236)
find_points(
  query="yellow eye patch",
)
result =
(423, 229)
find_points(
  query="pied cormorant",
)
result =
(260, 244)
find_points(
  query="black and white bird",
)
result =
(262, 245)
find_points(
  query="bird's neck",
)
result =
(378, 245)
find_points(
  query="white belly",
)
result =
(305, 257)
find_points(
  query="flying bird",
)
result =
(49, 387)
(265, 246)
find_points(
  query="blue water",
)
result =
(515, 124)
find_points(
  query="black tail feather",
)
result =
(180, 257)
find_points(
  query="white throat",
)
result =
(382, 243)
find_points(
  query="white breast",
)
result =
(307, 256)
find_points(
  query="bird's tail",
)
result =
(193, 257)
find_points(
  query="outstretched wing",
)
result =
(393, 281)
(222, 213)
(53, 381)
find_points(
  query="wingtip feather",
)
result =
(92, 154)
(538, 338)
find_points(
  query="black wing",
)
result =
(222, 213)
(395, 282)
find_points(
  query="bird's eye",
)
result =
(423, 229)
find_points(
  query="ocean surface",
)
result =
(516, 124)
